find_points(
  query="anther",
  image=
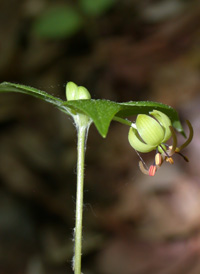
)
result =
(158, 159)
(142, 168)
(169, 160)
(152, 170)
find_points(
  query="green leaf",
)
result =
(58, 22)
(134, 108)
(102, 112)
(96, 7)
(11, 87)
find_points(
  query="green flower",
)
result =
(151, 133)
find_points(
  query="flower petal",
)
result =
(189, 138)
(164, 120)
(150, 130)
(137, 143)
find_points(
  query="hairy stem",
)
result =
(82, 135)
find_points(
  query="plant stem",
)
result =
(122, 121)
(82, 132)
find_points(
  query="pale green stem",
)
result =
(82, 123)
(82, 136)
(122, 121)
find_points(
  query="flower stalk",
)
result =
(82, 131)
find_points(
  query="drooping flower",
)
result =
(150, 133)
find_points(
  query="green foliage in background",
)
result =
(95, 7)
(58, 22)
(63, 21)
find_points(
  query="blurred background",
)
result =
(121, 51)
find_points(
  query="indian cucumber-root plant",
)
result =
(154, 126)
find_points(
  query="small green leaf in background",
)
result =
(95, 7)
(58, 22)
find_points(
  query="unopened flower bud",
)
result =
(83, 93)
(73, 92)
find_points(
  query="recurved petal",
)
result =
(164, 120)
(150, 130)
(137, 143)
(189, 138)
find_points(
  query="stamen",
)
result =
(174, 145)
(144, 164)
(184, 157)
(158, 159)
(152, 170)
(170, 160)
(165, 152)
(143, 169)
